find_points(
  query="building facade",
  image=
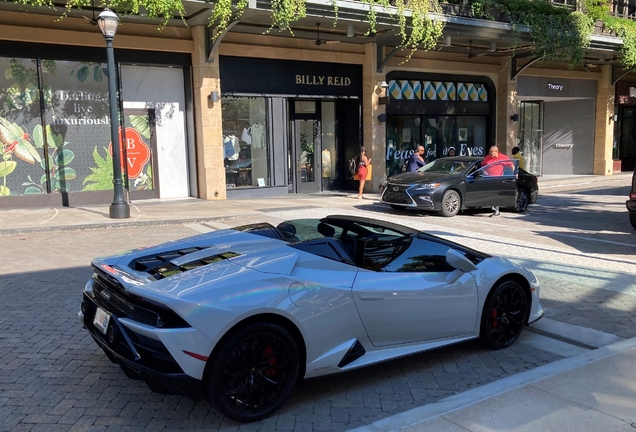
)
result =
(252, 114)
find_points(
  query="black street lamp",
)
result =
(107, 22)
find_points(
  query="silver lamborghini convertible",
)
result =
(239, 316)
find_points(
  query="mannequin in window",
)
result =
(326, 163)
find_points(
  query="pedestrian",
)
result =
(451, 152)
(363, 164)
(516, 154)
(416, 161)
(495, 170)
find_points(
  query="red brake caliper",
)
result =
(494, 322)
(270, 372)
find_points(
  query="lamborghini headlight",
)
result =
(427, 186)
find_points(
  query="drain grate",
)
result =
(561, 338)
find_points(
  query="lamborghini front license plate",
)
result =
(101, 320)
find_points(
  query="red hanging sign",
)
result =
(137, 152)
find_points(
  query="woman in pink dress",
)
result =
(363, 163)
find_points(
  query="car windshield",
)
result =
(310, 229)
(445, 166)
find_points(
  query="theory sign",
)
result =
(137, 152)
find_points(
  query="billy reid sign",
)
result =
(137, 153)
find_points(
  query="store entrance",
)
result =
(306, 141)
(627, 146)
(531, 134)
(305, 146)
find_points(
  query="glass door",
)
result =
(531, 134)
(307, 146)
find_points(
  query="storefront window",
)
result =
(22, 166)
(471, 136)
(466, 134)
(329, 153)
(77, 134)
(628, 133)
(403, 137)
(245, 142)
(530, 135)
(446, 136)
(78, 122)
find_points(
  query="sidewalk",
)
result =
(162, 212)
(595, 391)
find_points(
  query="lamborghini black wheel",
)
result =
(254, 372)
(504, 316)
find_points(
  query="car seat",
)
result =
(326, 230)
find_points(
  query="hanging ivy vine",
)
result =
(417, 31)
(164, 10)
(625, 29)
(558, 33)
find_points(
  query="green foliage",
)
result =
(144, 181)
(141, 125)
(625, 29)
(560, 34)
(101, 177)
(597, 10)
(164, 10)
(557, 33)
(305, 146)
(24, 91)
(425, 32)
(84, 71)
(58, 160)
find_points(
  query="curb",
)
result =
(108, 225)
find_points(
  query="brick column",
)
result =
(507, 105)
(207, 117)
(373, 131)
(603, 138)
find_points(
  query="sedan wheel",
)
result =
(451, 203)
(254, 372)
(523, 199)
(504, 315)
(632, 219)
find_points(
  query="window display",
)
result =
(329, 152)
(245, 150)
(467, 134)
(403, 137)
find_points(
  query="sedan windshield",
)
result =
(445, 166)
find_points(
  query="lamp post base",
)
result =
(119, 210)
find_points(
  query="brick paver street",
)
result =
(53, 377)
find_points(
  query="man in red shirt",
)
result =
(494, 169)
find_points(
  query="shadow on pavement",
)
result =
(589, 226)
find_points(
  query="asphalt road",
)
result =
(53, 376)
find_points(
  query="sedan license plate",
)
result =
(101, 320)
